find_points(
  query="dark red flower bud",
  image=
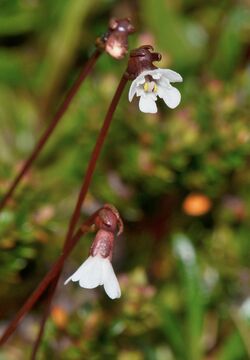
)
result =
(141, 59)
(115, 40)
(107, 222)
(109, 219)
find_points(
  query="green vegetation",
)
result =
(180, 180)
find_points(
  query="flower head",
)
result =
(96, 271)
(115, 40)
(153, 83)
(149, 82)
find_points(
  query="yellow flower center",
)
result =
(150, 86)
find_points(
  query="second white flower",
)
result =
(152, 83)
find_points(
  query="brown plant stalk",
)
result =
(51, 127)
(114, 42)
(46, 281)
(81, 197)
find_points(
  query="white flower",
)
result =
(152, 83)
(184, 249)
(96, 271)
(245, 309)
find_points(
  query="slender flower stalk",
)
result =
(37, 342)
(47, 280)
(93, 159)
(51, 127)
(82, 194)
(115, 43)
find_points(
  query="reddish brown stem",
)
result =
(52, 288)
(45, 136)
(82, 194)
(93, 160)
(52, 274)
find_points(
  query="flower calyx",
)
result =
(108, 219)
(97, 270)
(141, 59)
(115, 40)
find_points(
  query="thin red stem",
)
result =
(52, 288)
(56, 268)
(93, 160)
(45, 136)
(82, 194)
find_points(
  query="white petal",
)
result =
(156, 74)
(172, 97)
(147, 104)
(89, 274)
(111, 285)
(132, 90)
(67, 281)
(136, 84)
(140, 79)
(171, 75)
(164, 82)
(77, 274)
(161, 88)
(140, 91)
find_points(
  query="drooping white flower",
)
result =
(96, 271)
(152, 83)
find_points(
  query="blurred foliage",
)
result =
(179, 178)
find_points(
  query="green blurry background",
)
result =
(180, 180)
